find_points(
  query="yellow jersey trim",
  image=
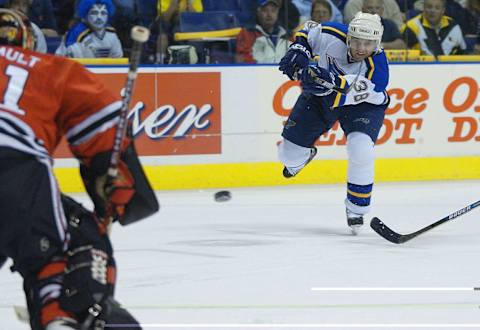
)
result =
(329, 28)
(343, 82)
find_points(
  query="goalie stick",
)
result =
(383, 230)
(139, 35)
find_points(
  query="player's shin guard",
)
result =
(294, 157)
(360, 178)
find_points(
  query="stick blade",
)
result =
(383, 230)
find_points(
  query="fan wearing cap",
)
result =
(266, 41)
(344, 74)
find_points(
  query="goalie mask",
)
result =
(15, 29)
(364, 35)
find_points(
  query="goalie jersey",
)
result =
(35, 114)
(328, 42)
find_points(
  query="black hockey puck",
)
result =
(222, 196)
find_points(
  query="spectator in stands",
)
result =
(168, 20)
(23, 6)
(321, 11)
(434, 33)
(454, 10)
(288, 15)
(391, 11)
(305, 8)
(92, 37)
(267, 41)
(391, 38)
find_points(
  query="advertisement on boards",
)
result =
(207, 115)
(172, 113)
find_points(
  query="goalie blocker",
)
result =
(132, 182)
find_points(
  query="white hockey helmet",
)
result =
(366, 26)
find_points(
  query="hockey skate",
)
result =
(354, 221)
(289, 172)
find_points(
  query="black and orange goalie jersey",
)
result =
(45, 97)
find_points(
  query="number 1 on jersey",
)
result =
(17, 78)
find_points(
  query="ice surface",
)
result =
(253, 260)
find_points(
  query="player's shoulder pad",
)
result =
(305, 29)
(335, 29)
(77, 33)
(377, 70)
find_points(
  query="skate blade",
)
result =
(356, 229)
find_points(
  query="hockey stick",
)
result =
(139, 35)
(383, 230)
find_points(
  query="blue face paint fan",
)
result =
(85, 5)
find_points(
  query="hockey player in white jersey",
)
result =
(347, 83)
(92, 37)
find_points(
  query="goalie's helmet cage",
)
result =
(366, 26)
(15, 29)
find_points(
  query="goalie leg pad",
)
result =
(90, 271)
(89, 279)
(116, 317)
(42, 291)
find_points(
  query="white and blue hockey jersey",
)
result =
(83, 42)
(328, 42)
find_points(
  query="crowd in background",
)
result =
(100, 28)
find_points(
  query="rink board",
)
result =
(209, 126)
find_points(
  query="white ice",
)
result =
(251, 262)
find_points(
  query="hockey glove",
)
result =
(319, 81)
(297, 58)
(109, 196)
(115, 193)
